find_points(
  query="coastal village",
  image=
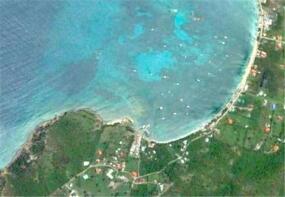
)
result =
(115, 160)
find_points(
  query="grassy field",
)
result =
(242, 155)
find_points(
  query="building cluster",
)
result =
(254, 71)
(270, 16)
(261, 54)
(135, 148)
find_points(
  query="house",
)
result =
(134, 174)
(98, 170)
(275, 148)
(85, 176)
(230, 121)
(86, 163)
(109, 174)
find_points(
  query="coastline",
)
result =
(209, 124)
(238, 91)
(40, 128)
(81, 154)
(44, 125)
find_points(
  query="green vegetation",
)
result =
(67, 143)
(243, 155)
(202, 164)
(57, 153)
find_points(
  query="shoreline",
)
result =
(209, 124)
(44, 125)
(39, 128)
(237, 92)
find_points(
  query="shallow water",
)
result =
(169, 64)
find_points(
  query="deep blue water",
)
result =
(169, 64)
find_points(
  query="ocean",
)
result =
(171, 65)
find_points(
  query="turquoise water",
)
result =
(168, 64)
(150, 64)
